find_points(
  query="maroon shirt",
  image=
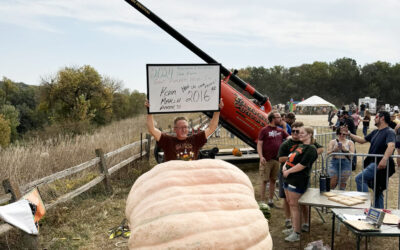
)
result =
(188, 149)
(272, 138)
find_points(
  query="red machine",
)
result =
(240, 116)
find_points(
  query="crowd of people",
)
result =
(287, 150)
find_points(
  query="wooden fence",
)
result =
(14, 191)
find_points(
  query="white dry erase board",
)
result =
(182, 88)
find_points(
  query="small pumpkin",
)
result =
(203, 204)
(236, 152)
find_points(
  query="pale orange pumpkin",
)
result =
(203, 204)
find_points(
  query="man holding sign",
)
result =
(182, 146)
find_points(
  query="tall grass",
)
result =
(38, 158)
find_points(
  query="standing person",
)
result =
(331, 115)
(347, 120)
(392, 122)
(340, 165)
(285, 149)
(290, 118)
(182, 146)
(396, 113)
(356, 119)
(284, 125)
(362, 109)
(382, 142)
(269, 140)
(365, 121)
(296, 173)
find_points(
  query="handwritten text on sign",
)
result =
(183, 88)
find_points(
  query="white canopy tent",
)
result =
(314, 101)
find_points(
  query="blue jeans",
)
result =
(362, 186)
(341, 169)
(365, 130)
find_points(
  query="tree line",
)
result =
(75, 100)
(78, 99)
(340, 82)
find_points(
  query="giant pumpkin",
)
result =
(203, 204)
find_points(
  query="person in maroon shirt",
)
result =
(269, 140)
(182, 146)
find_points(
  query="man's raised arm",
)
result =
(150, 125)
(212, 126)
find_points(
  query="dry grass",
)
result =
(36, 159)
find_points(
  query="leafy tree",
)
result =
(5, 132)
(7, 88)
(11, 114)
(345, 78)
(121, 105)
(136, 102)
(77, 94)
(377, 83)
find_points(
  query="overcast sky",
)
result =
(38, 37)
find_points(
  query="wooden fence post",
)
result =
(12, 187)
(104, 170)
(148, 146)
(28, 241)
(141, 146)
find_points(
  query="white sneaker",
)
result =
(293, 237)
(288, 231)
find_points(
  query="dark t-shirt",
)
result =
(362, 107)
(187, 149)
(392, 124)
(305, 155)
(289, 146)
(272, 138)
(379, 140)
(366, 124)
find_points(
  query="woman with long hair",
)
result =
(340, 165)
(296, 173)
